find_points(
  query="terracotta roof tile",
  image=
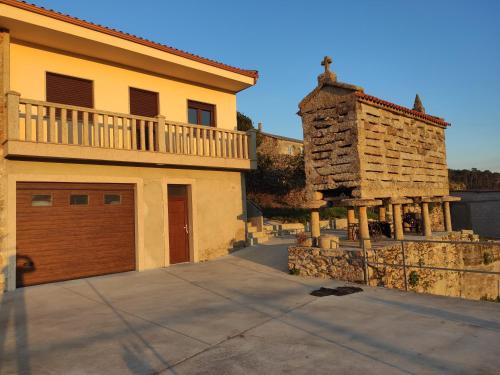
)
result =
(384, 103)
(120, 34)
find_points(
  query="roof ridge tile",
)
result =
(386, 103)
(124, 35)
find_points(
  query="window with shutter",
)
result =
(69, 90)
(143, 102)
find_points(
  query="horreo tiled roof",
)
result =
(384, 103)
(120, 34)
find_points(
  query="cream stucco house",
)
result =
(118, 153)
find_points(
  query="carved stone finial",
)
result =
(327, 60)
(417, 105)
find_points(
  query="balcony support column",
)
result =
(4, 78)
(12, 115)
(252, 144)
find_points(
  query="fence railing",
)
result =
(405, 265)
(45, 122)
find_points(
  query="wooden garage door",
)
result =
(68, 231)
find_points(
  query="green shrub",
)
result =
(487, 258)
(294, 271)
(413, 279)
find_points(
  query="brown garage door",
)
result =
(68, 231)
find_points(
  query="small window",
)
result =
(78, 199)
(112, 199)
(40, 200)
(201, 113)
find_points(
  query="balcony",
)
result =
(37, 129)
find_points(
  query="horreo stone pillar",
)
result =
(350, 223)
(381, 213)
(364, 233)
(397, 216)
(447, 217)
(446, 211)
(398, 222)
(426, 219)
(315, 227)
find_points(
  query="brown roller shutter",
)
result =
(69, 230)
(143, 102)
(69, 90)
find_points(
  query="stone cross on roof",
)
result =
(327, 60)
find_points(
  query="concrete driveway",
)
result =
(240, 314)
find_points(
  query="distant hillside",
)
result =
(473, 179)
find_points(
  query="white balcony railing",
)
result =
(58, 124)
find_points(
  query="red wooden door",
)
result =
(178, 224)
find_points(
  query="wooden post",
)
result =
(447, 216)
(364, 233)
(426, 219)
(398, 222)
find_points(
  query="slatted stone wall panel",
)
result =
(400, 155)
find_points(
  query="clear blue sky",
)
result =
(447, 51)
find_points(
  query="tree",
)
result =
(244, 123)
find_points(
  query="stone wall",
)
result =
(330, 141)
(348, 266)
(326, 263)
(471, 256)
(271, 144)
